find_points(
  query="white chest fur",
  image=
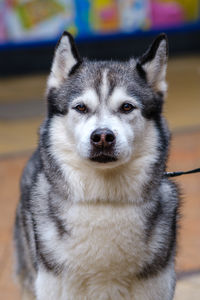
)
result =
(106, 245)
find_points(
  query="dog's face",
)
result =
(101, 109)
(105, 122)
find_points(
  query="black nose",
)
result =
(102, 138)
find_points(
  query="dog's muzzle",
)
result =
(103, 142)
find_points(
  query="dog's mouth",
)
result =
(103, 158)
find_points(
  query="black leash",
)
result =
(173, 174)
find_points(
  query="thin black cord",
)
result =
(173, 174)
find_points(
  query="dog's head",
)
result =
(100, 110)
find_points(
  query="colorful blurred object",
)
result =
(104, 15)
(166, 14)
(34, 20)
(33, 12)
(191, 8)
(2, 21)
(38, 19)
(134, 15)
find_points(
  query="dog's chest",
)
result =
(105, 238)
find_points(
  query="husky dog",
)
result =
(97, 217)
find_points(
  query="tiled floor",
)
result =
(18, 129)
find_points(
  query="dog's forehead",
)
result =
(104, 77)
(115, 73)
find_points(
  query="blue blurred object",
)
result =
(82, 17)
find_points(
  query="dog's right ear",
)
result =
(66, 61)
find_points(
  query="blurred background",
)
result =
(104, 29)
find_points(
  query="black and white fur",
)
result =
(97, 217)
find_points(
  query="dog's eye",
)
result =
(82, 108)
(127, 107)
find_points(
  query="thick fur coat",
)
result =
(97, 216)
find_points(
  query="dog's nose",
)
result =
(102, 137)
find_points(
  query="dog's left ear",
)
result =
(153, 64)
(66, 60)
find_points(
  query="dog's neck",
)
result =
(124, 184)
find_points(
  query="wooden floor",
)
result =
(21, 111)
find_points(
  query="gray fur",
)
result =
(45, 190)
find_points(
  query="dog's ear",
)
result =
(153, 64)
(66, 60)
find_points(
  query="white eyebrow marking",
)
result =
(89, 97)
(120, 96)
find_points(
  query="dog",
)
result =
(97, 218)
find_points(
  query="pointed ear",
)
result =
(66, 60)
(154, 64)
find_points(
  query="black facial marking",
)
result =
(153, 108)
(53, 107)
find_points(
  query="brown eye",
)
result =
(126, 107)
(82, 108)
